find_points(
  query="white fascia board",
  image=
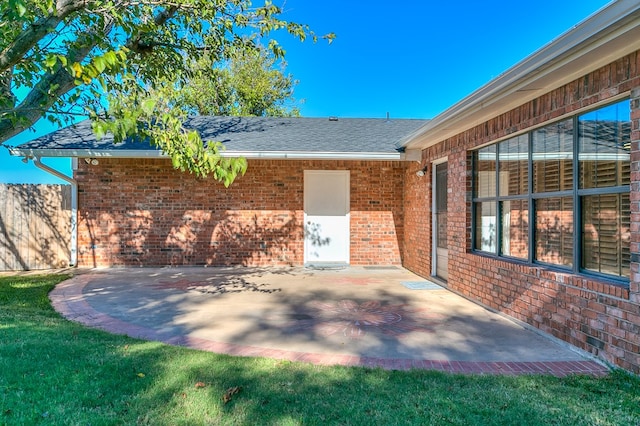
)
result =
(608, 34)
(304, 155)
(251, 155)
(83, 153)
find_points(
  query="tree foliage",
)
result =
(250, 83)
(123, 61)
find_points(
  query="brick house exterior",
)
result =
(596, 315)
(136, 210)
(257, 221)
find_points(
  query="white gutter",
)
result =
(74, 206)
(302, 155)
(250, 155)
(85, 153)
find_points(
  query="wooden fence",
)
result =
(35, 226)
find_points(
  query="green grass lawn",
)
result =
(55, 372)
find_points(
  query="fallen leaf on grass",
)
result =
(200, 385)
(230, 392)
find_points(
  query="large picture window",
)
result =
(559, 195)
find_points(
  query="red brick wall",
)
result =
(417, 219)
(142, 212)
(377, 218)
(594, 315)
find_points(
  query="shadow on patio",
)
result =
(352, 316)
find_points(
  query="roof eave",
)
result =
(252, 155)
(83, 153)
(310, 155)
(605, 36)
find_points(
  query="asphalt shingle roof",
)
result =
(255, 134)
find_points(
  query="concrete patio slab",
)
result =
(383, 316)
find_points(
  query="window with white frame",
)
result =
(559, 195)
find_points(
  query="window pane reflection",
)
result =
(554, 230)
(553, 157)
(485, 173)
(605, 136)
(515, 228)
(486, 227)
(606, 236)
(514, 169)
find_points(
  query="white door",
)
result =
(440, 240)
(326, 216)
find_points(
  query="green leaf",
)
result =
(110, 58)
(99, 130)
(20, 7)
(148, 106)
(51, 61)
(100, 64)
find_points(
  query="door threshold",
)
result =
(438, 280)
(324, 266)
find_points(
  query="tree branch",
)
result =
(31, 35)
(137, 45)
(7, 98)
(41, 97)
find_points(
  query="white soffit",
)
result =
(604, 37)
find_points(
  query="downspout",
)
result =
(74, 206)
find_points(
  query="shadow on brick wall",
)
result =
(198, 238)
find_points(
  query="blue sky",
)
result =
(408, 58)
